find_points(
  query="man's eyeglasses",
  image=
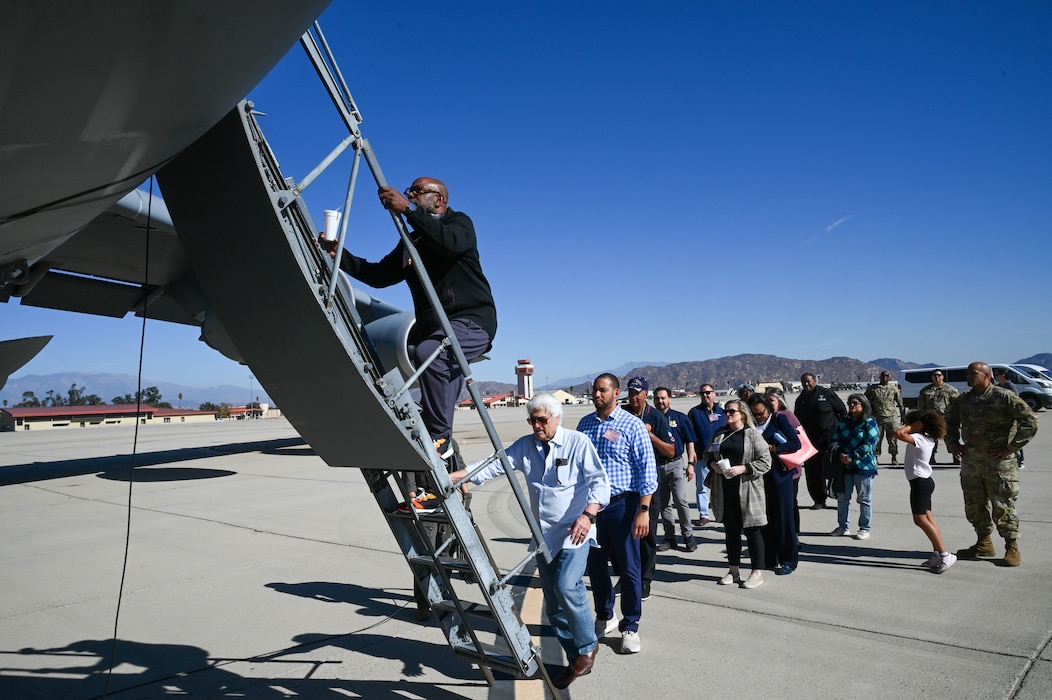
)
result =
(538, 420)
(415, 191)
(708, 392)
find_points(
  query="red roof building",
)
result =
(46, 417)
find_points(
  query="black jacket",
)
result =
(449, 251)
(819, 413)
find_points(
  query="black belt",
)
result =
(623, 494)
(670, 461)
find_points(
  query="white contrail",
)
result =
(836, 223)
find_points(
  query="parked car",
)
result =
(1035, 390)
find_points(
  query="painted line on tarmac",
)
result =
(532, 602)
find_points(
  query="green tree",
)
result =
(208, 406)
(151, 396)
(77, 397)
(29, 400)
(54, 399)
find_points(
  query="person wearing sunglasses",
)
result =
(738, 458)
(445, 240)
(856, 439)
(567, 486)
(706, 418)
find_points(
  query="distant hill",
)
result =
(489, 389)
(724, 372)
(581, 384)
(894, 365)
(1043, 359)
(107, 386)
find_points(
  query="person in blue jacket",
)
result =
(781, 545)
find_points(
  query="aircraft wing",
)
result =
(116, 262)
(15, 353)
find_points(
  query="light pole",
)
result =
(250, 378)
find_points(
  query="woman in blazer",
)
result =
(737, 492)
(780, 536)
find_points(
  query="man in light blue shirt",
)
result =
(567, 487)
(624, 446)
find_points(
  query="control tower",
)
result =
(524, 372)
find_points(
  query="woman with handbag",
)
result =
(738, 458)
(806, 451)
(780, 536)
(856, 437)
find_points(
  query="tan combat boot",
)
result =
(1012, 556)
(983, 548)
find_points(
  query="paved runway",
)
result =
(255, 571)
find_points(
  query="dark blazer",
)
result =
(780, 424)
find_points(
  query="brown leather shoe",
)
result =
(581, 666)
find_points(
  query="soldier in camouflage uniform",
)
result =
(994, 424)
(886, 402)
(937, 396)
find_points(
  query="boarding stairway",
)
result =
(305, 334)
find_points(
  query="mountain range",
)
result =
(108, 386)
(722, 372)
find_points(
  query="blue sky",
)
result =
(684, 180)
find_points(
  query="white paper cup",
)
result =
(332, 224)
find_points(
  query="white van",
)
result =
(1034, 387)
(1035, 371)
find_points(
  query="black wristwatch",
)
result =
(590, 516)
(644, 508)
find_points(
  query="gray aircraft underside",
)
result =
(95, 98)
(82, 127)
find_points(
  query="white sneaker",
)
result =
(934, 560)
(630, 642)
(948, 560)
(841, 532)
(729, 578)
(605, 627)
(862, 535)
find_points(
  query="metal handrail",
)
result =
(325, 65)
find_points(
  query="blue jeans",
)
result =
(863, 483)
(566, 601)
(701, 470)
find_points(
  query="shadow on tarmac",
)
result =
(117, 466)
(80, 669)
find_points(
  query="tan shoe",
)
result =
(983, 548)
(1012, 556)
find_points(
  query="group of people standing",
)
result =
(598, 492)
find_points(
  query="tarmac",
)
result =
(256, 571)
